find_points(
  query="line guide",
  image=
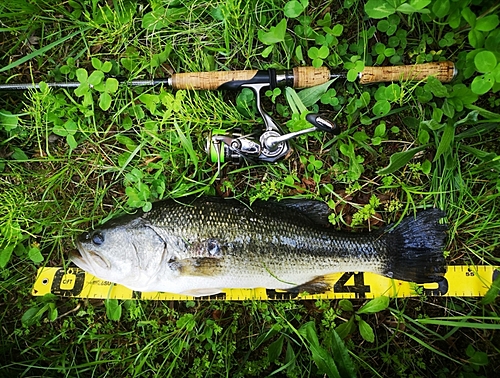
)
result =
(460, 281)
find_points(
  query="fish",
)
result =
(201, 246)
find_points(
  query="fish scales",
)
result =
(258, 235)
(207, 244)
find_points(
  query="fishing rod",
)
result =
(272, 145)
(298, 77)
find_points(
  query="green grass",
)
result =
(70, 159)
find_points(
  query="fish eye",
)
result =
(97, 238)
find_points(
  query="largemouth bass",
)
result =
(204, 245)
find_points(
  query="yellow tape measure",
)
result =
(460, 281)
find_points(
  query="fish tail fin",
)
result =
(416, 246)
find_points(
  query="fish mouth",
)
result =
(85, 258)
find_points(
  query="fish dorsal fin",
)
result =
(316, 211)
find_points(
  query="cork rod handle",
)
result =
(304, 77)
(209, 80)
(443, 71)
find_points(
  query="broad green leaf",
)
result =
(293, 9)
(19, 154)
(161, 17)
(470, 119)
(298, 53)
(399, 159)
(308, 331)
(8, 121)
(113, 309)
(476, 38)
(35, 255)
(381, 108)
(30, 316)
(81, 75)
(419, 4)
(469, 16)
(352, 75)
(435, 87)
(346, 328)
(413, 6)
(426, 167)
(111, 85)
(380, 130)
(106, 67)
(482, 84)
(485, 61)
(321, 357)
(96, 63)
(406, 9)
(82, 89)
(446, 140)
(313, 52)
(147, 207)
(70, 139)
(366, 331)
(294, 101)
(105, 101)
(337, 30)
(71, 126)
(375, 305)
(96, 78)
(274, 349)
(267, 51)
(379, 9)
(5, 254)
(52, 315)
(393, 92)
(447, 109)
(125, 140)
(274, 35)
(341, 355)
(59, 130)
(310, 96)
(346, 305)
(325, 362)
(487, 23)
(323, 52)
(479, 359)
(441, 8)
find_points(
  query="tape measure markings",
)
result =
(460, 280)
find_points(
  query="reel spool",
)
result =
(271, 146)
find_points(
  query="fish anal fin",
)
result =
(316, 286)
(202, 292)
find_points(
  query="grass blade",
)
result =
(43, 50)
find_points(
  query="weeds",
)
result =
(69, 159)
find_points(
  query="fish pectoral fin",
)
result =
(198, 266)
(315, 286)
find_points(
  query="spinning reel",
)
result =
(271, 146)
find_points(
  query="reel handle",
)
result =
(322, 123)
